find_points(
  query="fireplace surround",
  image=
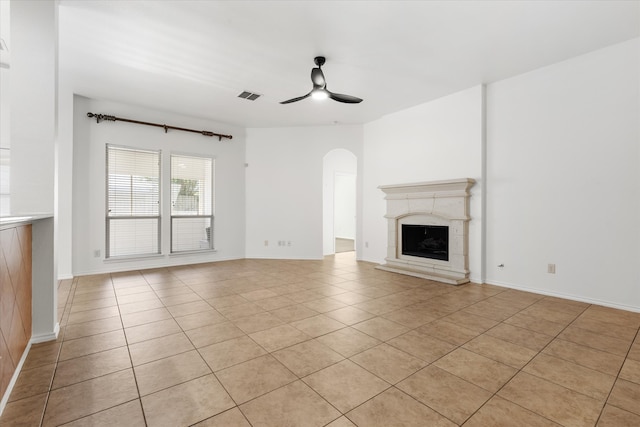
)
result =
(425, 205)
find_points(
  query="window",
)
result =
(133, 202)
(191, 203)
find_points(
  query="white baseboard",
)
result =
(284, 258)
(49, 336)
(565, 296)
(35, 339)
(14, 378)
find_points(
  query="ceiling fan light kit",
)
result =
(319, 94)
(320, 90)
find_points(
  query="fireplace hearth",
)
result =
(428, 229)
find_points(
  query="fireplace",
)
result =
(428, 230)
(426, 241)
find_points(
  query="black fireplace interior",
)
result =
(426, 241)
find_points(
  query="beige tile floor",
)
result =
(324, 343)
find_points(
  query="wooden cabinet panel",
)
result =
(15, 299)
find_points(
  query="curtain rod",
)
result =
(100, 117)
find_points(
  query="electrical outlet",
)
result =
(551, 268)
(266, 243)
(96, 253)
(366, 244)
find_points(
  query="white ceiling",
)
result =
(195, 57)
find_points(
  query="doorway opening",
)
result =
(344, 212)
(339, 202)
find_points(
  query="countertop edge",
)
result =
(20, 219)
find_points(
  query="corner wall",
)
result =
(442, 139)
(89, 140)
(285, 188)
(563, 178)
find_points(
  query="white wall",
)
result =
(5, 140)
(89, 140)
(64, 178)
(285, 187)
(5, 88)
(33, 105)
(563, 164)
(442, 139)
(5, 108)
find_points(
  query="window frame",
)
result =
(211, 216)
(109, 218)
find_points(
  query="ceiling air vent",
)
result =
(249, 95)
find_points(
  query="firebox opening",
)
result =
(426, 241)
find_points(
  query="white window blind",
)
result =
(133, 202)
(191, 203)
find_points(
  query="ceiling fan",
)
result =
(320, 90)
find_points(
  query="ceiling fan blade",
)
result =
(317, 77)
(319, 90)
(347, 99)
(300, 98)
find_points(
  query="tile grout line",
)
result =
(544, 379)
(518, 370)
(618, 377)
(398, 290)
(89, 379)
(74, 286)
(133, 371)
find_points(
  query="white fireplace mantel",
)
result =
(430, 203)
